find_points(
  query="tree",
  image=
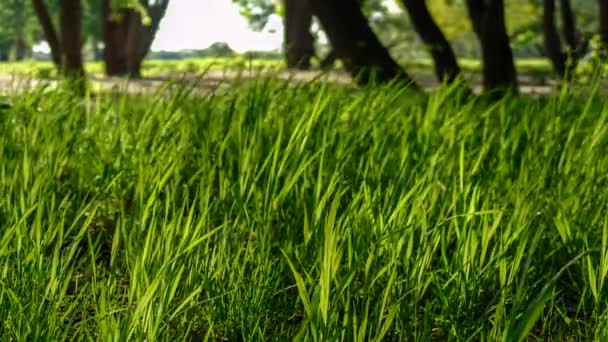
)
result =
(70, 12)
(569, 26)
(20, 44)
(18, 29)
(603, 11)
(488, 20)
(446, 65)
(257, 12)
(553, 47)
(299, 41)
(66, 47)
(355, 43)
(563, 62)
(299, 38)
(128, 33)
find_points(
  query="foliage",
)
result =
(257, 12)
(218, 49)
(18, 22)
(311, 211)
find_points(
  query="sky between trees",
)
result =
(184, 28)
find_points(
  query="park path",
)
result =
(214, 79)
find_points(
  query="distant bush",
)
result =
(218, 49)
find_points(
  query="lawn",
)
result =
(311, 212)
(151, 68)
(163, 68)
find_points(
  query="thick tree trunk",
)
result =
(114, 33)
(50, 33)
(355, 43)
(446, 65)
(299, 41)
(569, 26)
(127, 40)
(553, 45)
(603, 10)
(142, 36)
(71, 41)
(488, 19)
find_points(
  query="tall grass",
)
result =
(308, 212)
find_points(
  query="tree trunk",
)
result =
(603, 9)
(355, 43)
(71, 41)
(20, 47)
(563, 62)
(114, 32)
(140, 42)
(20, 44)
(488, 19)
(49, 30)
(299, 41)
(569, 26)
(446, 65)
(553, 45)
(127, 40)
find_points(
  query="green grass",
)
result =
(530, 65)
(164, 68)
(151, 68)
(309, 212)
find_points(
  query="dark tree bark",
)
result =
(114, 37)
(446, 65)
(127, 40)
(49, 30)
(569, 26)
(70, 14)
(563, 62)
(603, 9)
(142, 36)
(553, 45)
(355, 43)
(299, 41)
(488, 19)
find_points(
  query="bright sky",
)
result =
(196, 24)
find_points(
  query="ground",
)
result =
(535, 74)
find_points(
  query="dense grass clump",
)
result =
(312, 212)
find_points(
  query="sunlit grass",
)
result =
(310, 212)
(156, 68)
(151, 68)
